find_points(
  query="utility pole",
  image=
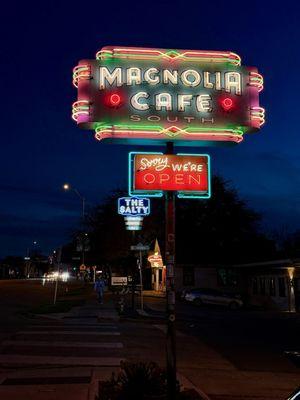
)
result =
(170, 286)
(141, 280)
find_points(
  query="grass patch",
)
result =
(60, 307)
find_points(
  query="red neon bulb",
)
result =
(227, 104)
(115, 100)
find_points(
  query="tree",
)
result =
(222, 229)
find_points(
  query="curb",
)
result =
(187, 384)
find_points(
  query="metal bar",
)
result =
(170, 286)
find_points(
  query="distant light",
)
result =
(66, 186)
(65, 276)
(26, 258)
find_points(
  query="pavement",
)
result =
(218, 375)
(61, 356)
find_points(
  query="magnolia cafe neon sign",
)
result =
(153, 95)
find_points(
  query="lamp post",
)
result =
(66, 187)
(28, 258)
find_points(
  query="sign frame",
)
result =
(132, 214)
(105, 99)
(160, 193)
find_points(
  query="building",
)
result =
(272, 284)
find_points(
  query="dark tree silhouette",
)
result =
(222, 229)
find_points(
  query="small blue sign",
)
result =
(133, 206)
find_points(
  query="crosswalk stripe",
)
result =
(98, 333)
(51, 360)
(71, 326)
(104, 345)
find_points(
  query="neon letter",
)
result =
(207, 84)
(194, 74)
(184, 100)
(134, 76)
(233, 80)
(163, 100)
(105, 75)
(170, 76)
(204, 103)
(135, 101)
(152, 80)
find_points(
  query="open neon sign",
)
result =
(152, 174)
(154, 95)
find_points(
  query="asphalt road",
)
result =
(251, 340)
(19, 296)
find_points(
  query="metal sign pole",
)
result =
(141, 280)
(55, 291)
(170, 285)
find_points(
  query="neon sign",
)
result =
(154, 173)
(154, 95)
(133, 206)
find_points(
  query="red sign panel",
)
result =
(162, 172)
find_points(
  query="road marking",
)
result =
(49, 360)
(98, 333)
(163, 328)
(73, 326)
(110, 345)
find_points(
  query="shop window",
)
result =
(188, 276)
(281, 287)
(227, 277)
(254, 286)
(272, 289)
(262, 284)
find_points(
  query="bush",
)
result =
(134, 382)
(140, 381)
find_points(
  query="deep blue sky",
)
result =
(41, 147)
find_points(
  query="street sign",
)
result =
(154, 173)
(140, 247)
(118, 280)
(133, 206)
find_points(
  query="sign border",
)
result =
(134, 215)
(160, 193)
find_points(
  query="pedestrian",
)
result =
(99, 288)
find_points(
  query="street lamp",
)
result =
(67, 187)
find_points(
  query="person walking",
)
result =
(99, 289)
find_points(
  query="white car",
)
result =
(213, 296)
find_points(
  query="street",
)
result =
(249, 339)
(224, 354)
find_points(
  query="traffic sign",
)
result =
(140, 247)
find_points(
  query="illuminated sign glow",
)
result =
(156, 95)
(154, 173)
(133, 206)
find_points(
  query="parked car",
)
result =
(295, 395)
(213, 296)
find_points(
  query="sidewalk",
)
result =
(63, 357)
(219, 379)
(153, 293)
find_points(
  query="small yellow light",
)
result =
(66, 186)
(291, 271)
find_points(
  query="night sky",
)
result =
(41, 147)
